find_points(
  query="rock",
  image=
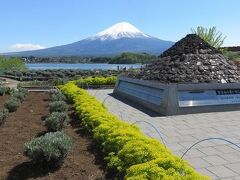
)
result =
(201, 68)
(231, 71)
(195, 81)
(220, 72)
(199, 63)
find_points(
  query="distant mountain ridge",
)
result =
(121, 37)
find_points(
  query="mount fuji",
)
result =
(121, 37)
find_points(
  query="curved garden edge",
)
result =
(127, 150)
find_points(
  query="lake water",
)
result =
(43, 66)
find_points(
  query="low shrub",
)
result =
(19, 95)
(8, 90)
(23, 90)
(168, 168)
(53, 91)
(56, 121)
(3, 115)
(57, 96)
(59, 76)
(58, 106)
(59, 81)
(2, 90)
(12, 104)
(114, 136)
(111, 80)
(137, 152)
(85, 82)
(50, 149)
(126, 148)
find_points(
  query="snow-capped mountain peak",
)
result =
(120, 30)
(121, 37)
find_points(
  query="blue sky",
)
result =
(26, 24)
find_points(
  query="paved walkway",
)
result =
(9, 82)
(214, 158)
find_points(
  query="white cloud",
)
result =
(26, 47)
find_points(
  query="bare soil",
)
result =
(83, 163)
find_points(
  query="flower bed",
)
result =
(27, 122)
(127, 150)
(52, 148)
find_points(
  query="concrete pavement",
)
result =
(215, 158)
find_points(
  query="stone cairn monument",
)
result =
(191, 60)
(189, 77)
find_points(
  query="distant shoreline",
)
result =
(81, 66)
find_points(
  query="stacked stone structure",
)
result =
(191, 60)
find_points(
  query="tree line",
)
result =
(124, 58)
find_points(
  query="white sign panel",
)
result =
(208, 97)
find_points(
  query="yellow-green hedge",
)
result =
(127, 149)
(111, 80)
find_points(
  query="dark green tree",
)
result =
(132, 58)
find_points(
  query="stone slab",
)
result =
(177, 99)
